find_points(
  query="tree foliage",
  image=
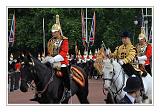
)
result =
(110, 23)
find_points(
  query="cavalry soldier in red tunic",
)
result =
(57, 51)
(144, 53)
(79, 58)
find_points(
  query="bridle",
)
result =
(30, 84)
(118, 91)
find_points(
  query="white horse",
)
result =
(115, 80)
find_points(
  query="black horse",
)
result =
(49, 87)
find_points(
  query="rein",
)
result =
(46, 85)
(45, 88)
(114, 94)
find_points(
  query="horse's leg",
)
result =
(147, 101)
(82, 98)
(108, 99)
(65, 101)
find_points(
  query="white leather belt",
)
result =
(63, 65)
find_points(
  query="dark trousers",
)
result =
(129, 70)
(66, 77)
(148, 69)
(14, 81)
(17, 77)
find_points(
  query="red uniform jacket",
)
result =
(17, 66)
(148, 54)
(63, 51)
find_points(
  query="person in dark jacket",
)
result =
(132, 89)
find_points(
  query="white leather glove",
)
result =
(108, 51)
(121, 62)
(142, 58)
(10, 62)
(48, 59)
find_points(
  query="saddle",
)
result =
(141, 70)
(77, 75)
(56, 67)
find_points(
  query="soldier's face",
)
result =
(55, 34)
(141, 41)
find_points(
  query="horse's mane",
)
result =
(116, 64)
(37, 62)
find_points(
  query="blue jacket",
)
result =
(125, 100)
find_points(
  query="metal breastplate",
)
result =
(142, 50)
(53, 47)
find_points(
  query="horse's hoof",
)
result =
(145, 97)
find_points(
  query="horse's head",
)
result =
(27, 72)
(108, 71)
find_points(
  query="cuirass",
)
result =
(141, 50)
(53, 47)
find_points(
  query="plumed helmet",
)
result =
(11, 56)
(79, 52)
(142, 34)
(90, 52)
(56, 26)
(133, 84)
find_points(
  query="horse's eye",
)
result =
(111, 72)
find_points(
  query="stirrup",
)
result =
(66, 95)
(144, 96)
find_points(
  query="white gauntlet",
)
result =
(121, 62)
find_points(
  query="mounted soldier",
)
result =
(79, 59)
(144, 53)
(57, 55)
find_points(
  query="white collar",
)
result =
(132, 99)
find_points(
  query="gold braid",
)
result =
(51, 47)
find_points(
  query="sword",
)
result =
(103, 45)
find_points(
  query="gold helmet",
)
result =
(90, 53)
(11, 56)
(79, 52)
(56, 26)
(142, 34)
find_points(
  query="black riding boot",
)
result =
(66, 78)
(144, 96)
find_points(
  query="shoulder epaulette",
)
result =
(65, 37)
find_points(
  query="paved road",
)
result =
(95, 96)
